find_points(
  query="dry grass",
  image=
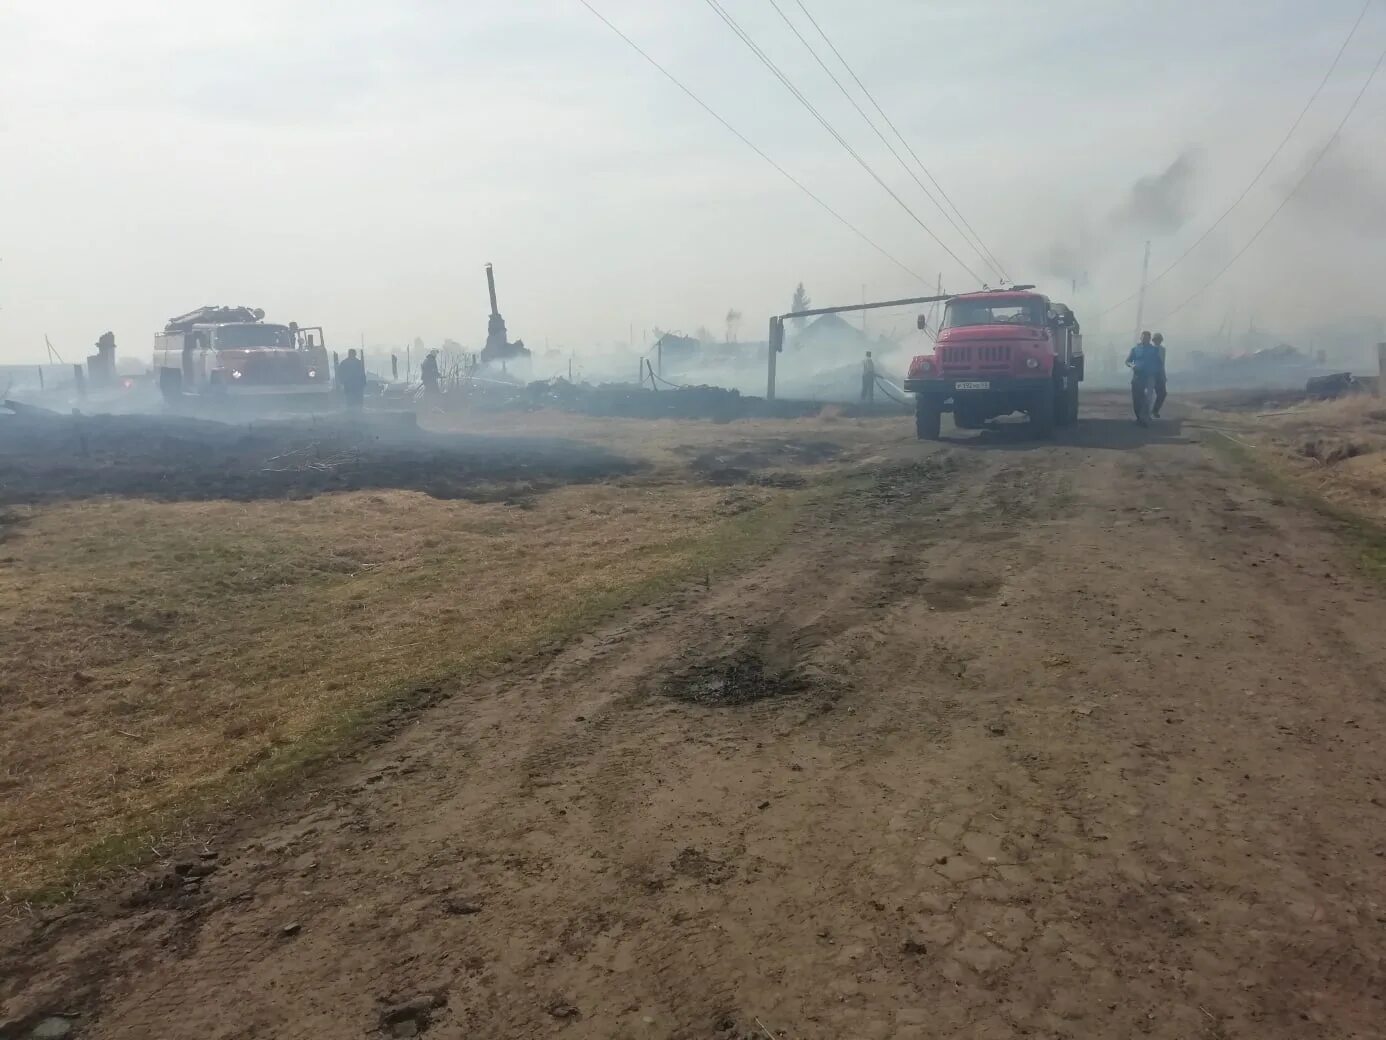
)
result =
(165, 658)
(1365, 529)
(1334, 449)
(1330, 454)
(1348, 439)
(1354, 412)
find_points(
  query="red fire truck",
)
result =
(234, 352)
(997, 352)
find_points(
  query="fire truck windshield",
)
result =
(964, 312)
(235, 337)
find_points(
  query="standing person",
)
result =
(1144, 363)
(351, 377)
(432, 378)
(1161, 386)
(868, 378)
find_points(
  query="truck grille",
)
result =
(975, 358)
(271, 369)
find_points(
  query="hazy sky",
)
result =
(354, 164)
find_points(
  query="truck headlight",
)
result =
(1032, 362)
(235, 373)
(312, 373)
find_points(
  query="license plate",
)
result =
(972, 386)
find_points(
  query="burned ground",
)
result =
(55, 458)
(680, 402)
(742, 677)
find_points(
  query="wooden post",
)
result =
(40, 372)
(776, 344)
(1380, 367)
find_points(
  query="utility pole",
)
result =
(1140, 300)
(932, 319)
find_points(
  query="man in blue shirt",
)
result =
(1145, 364)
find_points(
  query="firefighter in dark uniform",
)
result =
(351, 377)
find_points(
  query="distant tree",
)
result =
(733, 323)
(801, 302)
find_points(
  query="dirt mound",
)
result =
(64, 457)
(743, 678)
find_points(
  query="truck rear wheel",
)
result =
(928, 417)
(1068, 404)
(1043, 409)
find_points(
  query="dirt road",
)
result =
(1073, 740)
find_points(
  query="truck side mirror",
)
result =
(922, 323)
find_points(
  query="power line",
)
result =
(991, 257)
(751, 145)
(885, 140)
(1298, 184)
(1264, 166)
(798, 94)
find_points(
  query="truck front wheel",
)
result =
(170, 384)
(928, 417)
(1043, 408)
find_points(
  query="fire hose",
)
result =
(883, 383)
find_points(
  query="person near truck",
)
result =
(1144, 363)
(868, 378)
(1161, 386)
(351, 377)
(432, 378)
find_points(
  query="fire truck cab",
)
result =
(233, 351)
(997, 352)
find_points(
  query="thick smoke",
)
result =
(1063, 260)
(1159, 204)
(1156, 204)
